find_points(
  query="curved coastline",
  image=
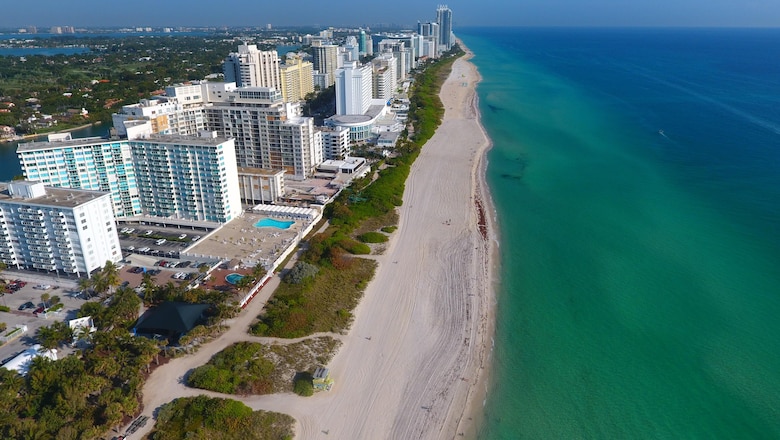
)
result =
(414, 364)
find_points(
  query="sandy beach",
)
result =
(413, 365)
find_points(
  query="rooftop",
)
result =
(60, 197)
(45, 145)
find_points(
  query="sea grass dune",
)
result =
(413, 364)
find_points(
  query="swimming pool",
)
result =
(233, 278)
(272, 223)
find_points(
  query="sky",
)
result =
(155, 13)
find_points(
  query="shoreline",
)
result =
(472, 414)
(37, 135)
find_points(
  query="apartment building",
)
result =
(250, 67)
(297, 78)
(269, 133)
(95, 164)
(174, 176)
(187, 178)
(56, 229)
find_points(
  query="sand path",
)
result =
(412, 363)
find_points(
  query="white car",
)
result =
(130, 230)
(42, 287)
(131, 248)
(144, 249)
(160, 241)
(195, 238)
(182, 236)
(149, 232)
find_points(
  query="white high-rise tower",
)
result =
(250, 67)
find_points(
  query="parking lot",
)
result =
(63, 288)
(157, 240)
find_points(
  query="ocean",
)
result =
(636, 177)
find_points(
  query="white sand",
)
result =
(412, 366)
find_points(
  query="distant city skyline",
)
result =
(354, 13)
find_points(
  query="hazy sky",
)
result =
(44, 13)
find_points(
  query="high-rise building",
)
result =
(56, 229)
(353, 89)
(385, 79)
(325, 57)
(401, 53)
(269, 133)
(187, 178)
(362, 42)
(335, 142)
(173, 176)
(444, 20)
(297, 78)
(351, 46)
(250, 67)
(95, 164)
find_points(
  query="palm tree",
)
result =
(111, 275)
(85, 284)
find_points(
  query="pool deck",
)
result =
(241, 240)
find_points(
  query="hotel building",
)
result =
(353, 88)
(56, 229)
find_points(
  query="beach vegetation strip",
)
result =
(257, 368)
(373, 237)
(219, 419)
(322, 303)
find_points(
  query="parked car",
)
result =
(182, 236)
(195, 238)
(27, 305)
(149, 232)
(42, 287)
(161, 241)
(38, 310)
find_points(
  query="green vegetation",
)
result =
(206, 418)
(301, 272)
(117, 71)
(79, 396)
(303, 385)
(253, 368)
(389, 229)
(326, 302)
(373, 237)
(5, 309)
(297, 310)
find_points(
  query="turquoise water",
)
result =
(636, 176)
(273, 223)
(233, 278)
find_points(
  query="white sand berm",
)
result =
(413, 364)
